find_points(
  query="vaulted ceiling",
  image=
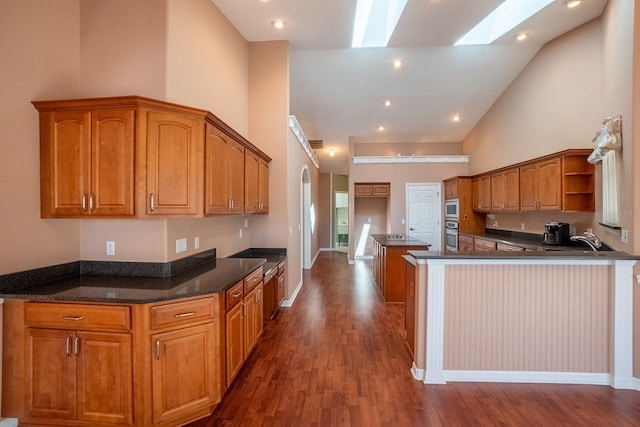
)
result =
(338, 92)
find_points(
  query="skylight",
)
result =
(376, 21)
(503, 19)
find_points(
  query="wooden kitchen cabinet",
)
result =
(254, 322)
(480, 244)
(410, 305)
(375, 189)
(465, 243)
(482, 193)
(540, 186)
(505, 190)
(184, 370)
(79, 369)
(256, 184)
(86, 162)
(225, 173)
(451, 190)
(280, 290)
(174, 164)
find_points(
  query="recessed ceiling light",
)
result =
(387, 103)
(332, 152)
(572, 3)
(397, 63)
(381, 128)
(522, 36)
(278, 23)
(455, 118)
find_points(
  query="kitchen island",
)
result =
(103, 349)
(388, 266)
(555, 317)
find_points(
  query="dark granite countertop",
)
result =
(397, 240)
(525, 240)
(274, 256)
(210, 277)
(533, 255)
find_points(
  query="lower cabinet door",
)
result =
(105, 377)
(51, 374)
(183, 371)
(234, 341)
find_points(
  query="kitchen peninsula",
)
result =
(105, 349)
(555, 317)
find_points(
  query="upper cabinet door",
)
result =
(112, 163)
(65, 163)
(263, 187)
(251, 171)
(224, 173)
(174, 153)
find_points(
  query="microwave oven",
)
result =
(452, 209)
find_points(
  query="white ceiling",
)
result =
(337, 92)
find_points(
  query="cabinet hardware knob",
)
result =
(76, 346)
(91, 196)
(237, 294)
(152, 202)
(157, 349)
(187, 314)
(84, 202)
(74, 318)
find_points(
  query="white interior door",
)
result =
(424, 207)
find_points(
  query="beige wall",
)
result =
(325, 208)
(40, 57)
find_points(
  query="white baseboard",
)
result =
(418, 374)
(635, 384)
(8, 422)
(528, 377)
(289, 302)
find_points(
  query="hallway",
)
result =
(338, 358)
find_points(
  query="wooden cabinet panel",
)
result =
(507, 247)
(482, 193)
(253, 324)
(483, 245)
(51, 374)
(234, 295)
(78, 316)
(465, 243)
(251, 171)
(174, 154)
(410, 305)
(505, 190)
(87, 163)
(84, 376)
(175, 314)
(281, 283)
(234, 341)
(105, 377)
(225, 173)
(253, 279)
(540, 186)
(183, 372)
(529, 187)
(451, 190)
(263, 187)
(381, 189)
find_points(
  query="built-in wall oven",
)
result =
(451, 235)
(452, 210)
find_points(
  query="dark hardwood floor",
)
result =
(338, 358)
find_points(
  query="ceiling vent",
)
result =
(316, 144)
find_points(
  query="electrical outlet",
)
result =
(589, 230)
(196, 243)
(403, 221)
(181, 245)
(111, 247)
(241, 233)
(246, 223)
(522, 226)
(624, 236)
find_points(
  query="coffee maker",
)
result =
(556, 233)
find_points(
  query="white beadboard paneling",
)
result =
(527, 318)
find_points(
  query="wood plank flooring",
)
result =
(338, 358)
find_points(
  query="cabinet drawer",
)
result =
(466, 240)
(505, 247)
(252, 280)
(77, 316)
(484, 245)
(182, 313)
(281, 268)
(234, 295)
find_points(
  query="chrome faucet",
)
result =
(590, 239)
